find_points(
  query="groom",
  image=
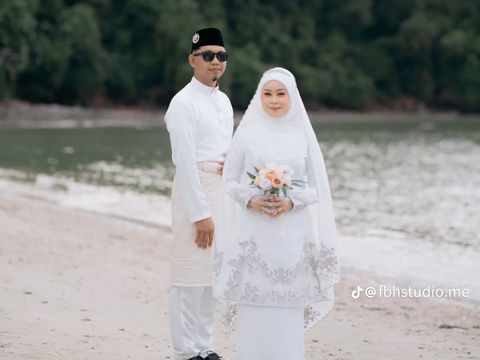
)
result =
(200, 122)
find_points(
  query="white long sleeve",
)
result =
(181, 125)
(236, 162)
(200, 122)
(303, 197)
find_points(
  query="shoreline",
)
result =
(396, 260)
(55, 116)
(81, 285)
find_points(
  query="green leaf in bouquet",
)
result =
(284, 190)
(256, 170)
(251, 176)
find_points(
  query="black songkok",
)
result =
(209, 36)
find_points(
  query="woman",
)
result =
(275, 259)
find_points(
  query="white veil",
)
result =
(297, 123)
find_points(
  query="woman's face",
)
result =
(275, 99)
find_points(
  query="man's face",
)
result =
(207, 72)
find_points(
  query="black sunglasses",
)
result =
(209, 56)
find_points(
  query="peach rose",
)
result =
(258, 179)
(279, 171)
(261, 167)
(277, 183)
(271, 175)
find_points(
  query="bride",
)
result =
(275, 255)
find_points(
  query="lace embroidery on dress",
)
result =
(249, 260)
(217, 262)
(241, 194)
(329, 261)
(307, 196)
(229, 317)
(310, 317)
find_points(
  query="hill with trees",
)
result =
(345, 54)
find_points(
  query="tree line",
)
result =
(345, 54)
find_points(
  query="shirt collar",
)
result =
(204, 88)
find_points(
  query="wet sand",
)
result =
(77, 285)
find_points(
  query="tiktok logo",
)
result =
(356, 293)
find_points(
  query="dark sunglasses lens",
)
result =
(208, 56)
(222, 56)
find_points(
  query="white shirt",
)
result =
(200, 122)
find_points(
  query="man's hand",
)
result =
(205, 233)
(220, 168)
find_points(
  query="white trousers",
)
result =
(192, 311)
(267, 333)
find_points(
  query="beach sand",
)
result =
(77, 285)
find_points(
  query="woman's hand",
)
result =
(272, 206)
(283, 206)
(259, 203)
(222, 164)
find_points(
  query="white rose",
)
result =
(287, 179)
(270, 167)
(265, 184)
(262, 172)
(249, 182)
(287, 169)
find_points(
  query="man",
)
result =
(200, 122)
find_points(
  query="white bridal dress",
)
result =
(275, 275)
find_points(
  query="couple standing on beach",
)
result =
(254, 230)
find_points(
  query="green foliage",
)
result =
(67, 62)
(85, 73)
(16, 38)
(346, 54)
(177, 21)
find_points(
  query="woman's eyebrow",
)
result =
(276, 90)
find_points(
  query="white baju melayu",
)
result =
(275, 274)
(200, 122)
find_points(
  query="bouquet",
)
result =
(273, 179)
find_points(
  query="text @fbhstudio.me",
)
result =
(384, 291)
